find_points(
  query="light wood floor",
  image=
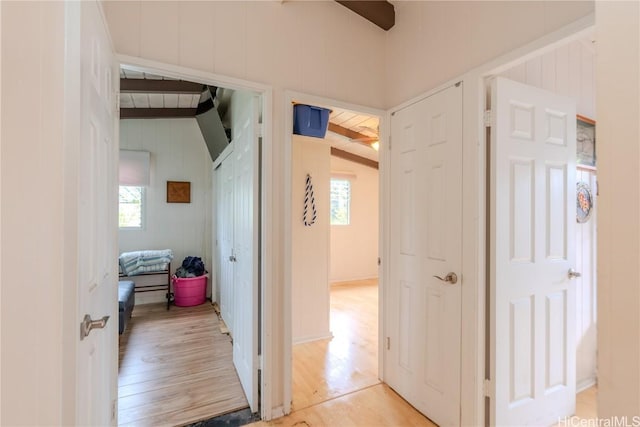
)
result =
(329, 368)
(335, 381)
(175, 367)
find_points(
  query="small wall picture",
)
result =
(586, 142)
(178, 192)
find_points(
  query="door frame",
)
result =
(482, 75)
(474, 219)
(266, 250)
(289, 97)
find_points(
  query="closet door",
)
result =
(225, 208)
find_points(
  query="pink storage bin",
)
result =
(189, 291)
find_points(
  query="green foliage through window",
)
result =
(130, 211)
(340, 201)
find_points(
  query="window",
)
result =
(133, 177)
(340, 201)
(130, 202)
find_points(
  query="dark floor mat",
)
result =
(233, 419)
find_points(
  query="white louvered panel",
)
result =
(184, 100)
(140, 100)
(156, 100)
(170, 100)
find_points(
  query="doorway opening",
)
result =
(566, 69)
(169, 347)
(334, 258)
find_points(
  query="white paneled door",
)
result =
(533, 215)
(246, 172)
(224, 175)
(424, 301)
(92, 174)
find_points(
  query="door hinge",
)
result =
(486, 388)
(379, 261)
(488, 117)
(388, 343)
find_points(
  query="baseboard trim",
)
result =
(585, 384)
(302, 340)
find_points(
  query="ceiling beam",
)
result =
(354, 158)
(156, 113)
(352, 134)
(159, 86)
(379, 12)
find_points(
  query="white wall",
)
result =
(178, 153)
(618, 151)
(347, 58)
(434, 41)
(354, 247)
(310, 245)
(569, 70)
(33, 216)
(317, 47)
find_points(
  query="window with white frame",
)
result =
(131, 199)
(340, 201)
(134, 177)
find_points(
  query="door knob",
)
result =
(232, 258)
(88, 325)
(451, 278)
(574, 274)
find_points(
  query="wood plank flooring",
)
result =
(329, 368)
(175, 367)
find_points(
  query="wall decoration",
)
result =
(584, 202)
(178, 192)
(586, 142)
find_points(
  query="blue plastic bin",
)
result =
(310, 121)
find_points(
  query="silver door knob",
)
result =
(574, 274)
(88, 325)
(451, 278)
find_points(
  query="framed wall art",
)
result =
(586, 142)
(178, 192)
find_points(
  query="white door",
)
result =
(423, 350)
(96, 220)
(533, 215)
(245, 240)
(225, 239)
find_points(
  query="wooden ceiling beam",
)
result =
(156, 113)
(379, 12)
(351, 134)
(159, 86)
(354, 158)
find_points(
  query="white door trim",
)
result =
(474, 258)
(476, 131)
(268, 220)
(289, 97)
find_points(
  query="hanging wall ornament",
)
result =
(584, 202)
(310, 213)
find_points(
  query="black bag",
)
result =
(193, 265)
